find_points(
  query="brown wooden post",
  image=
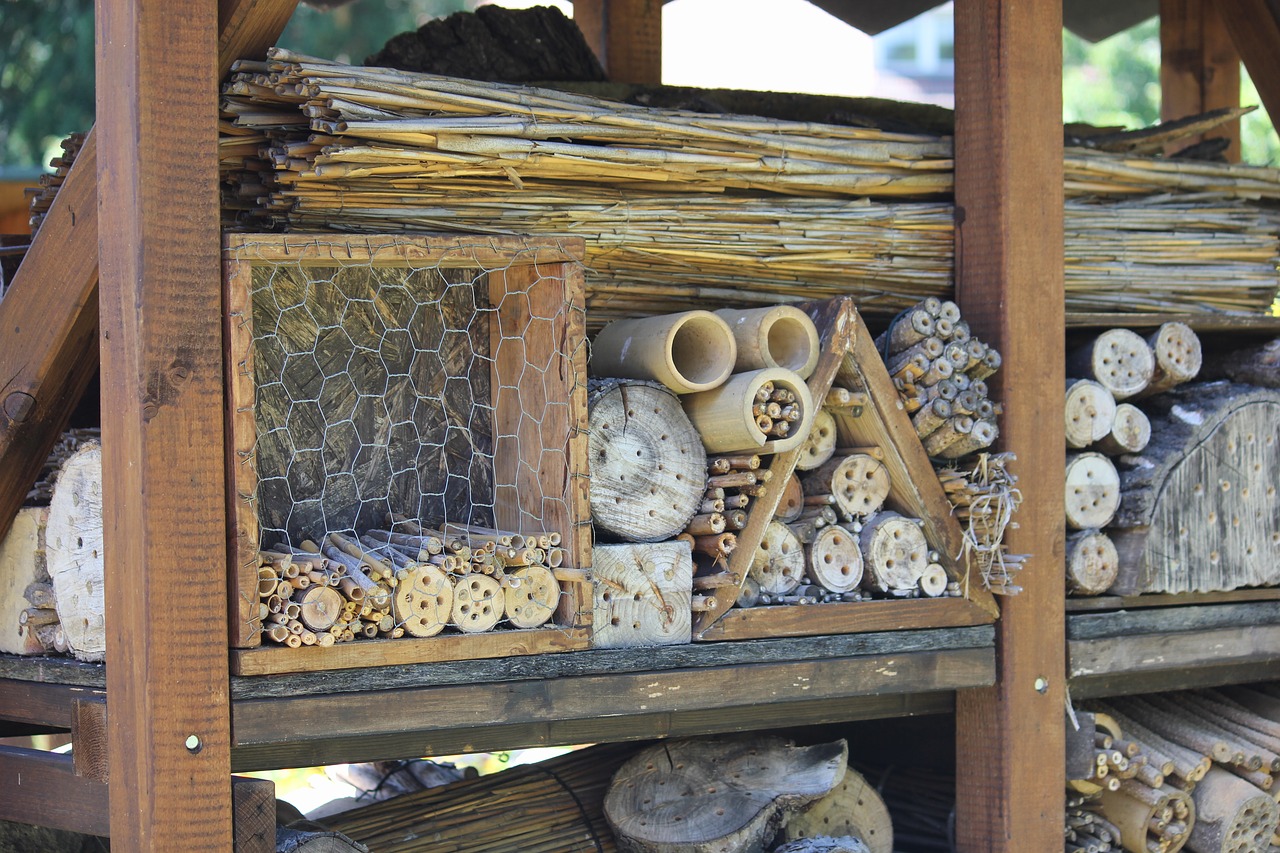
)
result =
(626, 36)
(1254, 26)
(1199, 66)
(1009, 246)
(168, 733)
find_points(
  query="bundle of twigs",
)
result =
(554, 806)
(984, 500)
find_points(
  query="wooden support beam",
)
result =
(42, 788)
(1009, 246)
(626, 36)
(49, 316)
(89, 739)
(1199, 67)
(254, 803)
(1254, 26)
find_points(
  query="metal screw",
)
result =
(1042, 685)
(193, 744)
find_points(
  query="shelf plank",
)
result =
(803, 621)
(274, 732)
(42, 788)
(1093, 626)
(1130, 602)
(1204, 322)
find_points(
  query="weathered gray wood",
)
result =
(1254, 365)
(304, 841)
(1126, 623)
(22, 562)
(642, 594)
(1205, 488)
(75, 552)
(1232, 815)
(1173, 651)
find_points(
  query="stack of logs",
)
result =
(940, 371)
(1193, 768)
(411, 582)
(1116, 365)
(831, 539)
(41, 197)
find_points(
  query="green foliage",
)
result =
(46, 76)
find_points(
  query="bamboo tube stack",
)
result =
(41, 198)
(554, 806)
(410, 581)
(1222, 748)
(733, 481)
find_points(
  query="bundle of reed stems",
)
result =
(554, 806)
(680, 208)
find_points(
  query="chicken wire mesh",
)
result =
(406, 417)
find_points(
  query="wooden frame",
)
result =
(849, 360)
(540, 466)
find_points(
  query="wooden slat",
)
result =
(633, 33)
(603, 729)
(1129, 602)
(1199, 67)
(248, 27)
(1092, 626)
(794, 621)
(1173, 651)
(37, 703)
(589, 17)
(49, 337)
(1009, 265)
(42, 788)
(89, 739)
(1254, 26)
(163, 495)
(283, 726)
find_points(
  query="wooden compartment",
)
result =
(439, 378)
(849, 360)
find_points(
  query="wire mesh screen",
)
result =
(406, 417)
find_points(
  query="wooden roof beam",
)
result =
(1199, 68)
(1254, 26)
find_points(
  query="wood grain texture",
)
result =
(1009, 264)
(1199, 68)
(1188, 617)
(1254, 26)
(633, 33)
(248, 27)
(819, 619)
(243, 531)
(89, 739)
(49, 332)
(1129, 602)
(1173, 651)
(254, 814)
(27, 700)
(42, 788)
(274, 660)
(162, 423)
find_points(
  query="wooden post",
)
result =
(1255, 31)
(168, 734)
(1199, 67)
(626, 36)
(1009, 264)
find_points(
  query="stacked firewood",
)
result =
(1101, 426)
(42, 196)
(1194, 767)
(411, 581)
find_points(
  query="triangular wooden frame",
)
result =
(849, 360)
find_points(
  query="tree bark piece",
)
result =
(1232, 816)
(859, 482)
(642, 594)
(531, 601)
(777, 336)
(1118, 359)
(853, 808)
(835, 560)
(74, 537)
(1093, 491)
(1257, 365)
(687, 352)
(821, 443)
(309, 841)
(1090, 412)
(716, 794)
(1178, 358)
(648, 465)
(894, 552)
(22, 563)
(1130, 431)
(1092, 562)
(778, 563)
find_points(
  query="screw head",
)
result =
(193, 744)
(1042, 685)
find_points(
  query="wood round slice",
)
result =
(534, 601)
(791, 504)
(859, 482)
(933, 582)
(478, 603)
(1090, 412)
(1092, 562)
(423, 601)
(320, 607)
(1118, 359)
(74, 552)
(1093, 491)
(1178, 356)
(778, 563)
(835, 561)
(894, 552)
(648, 465)
(820, 444)
(852, 808)
(1130, 432)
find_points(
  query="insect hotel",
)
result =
(713, 435)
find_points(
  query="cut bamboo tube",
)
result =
(723, 416)
(777, 336)
(690, 352)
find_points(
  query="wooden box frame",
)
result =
(542, 278)
(849, 359)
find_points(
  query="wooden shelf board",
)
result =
(1131, 602)
(1165, 620)
(275, 660)
(1200, 322)
(852, 617)
(344, 727)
